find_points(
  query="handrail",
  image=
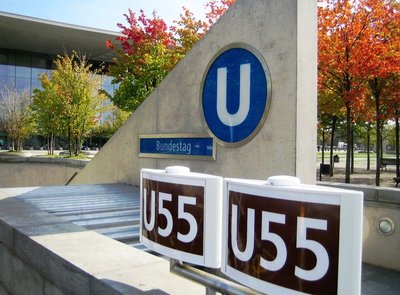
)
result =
(71, 178)
(212, 282)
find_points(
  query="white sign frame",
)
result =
(212, 216)
(350, 230)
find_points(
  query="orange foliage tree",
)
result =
(144, 56)
(380, 61)
(356, 42)
(148, 50)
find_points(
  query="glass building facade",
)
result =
(21, 70)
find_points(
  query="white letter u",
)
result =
(244, 100)
(248, 252)
(149, 225)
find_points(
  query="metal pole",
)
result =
(211, 282)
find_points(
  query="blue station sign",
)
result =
(235, 96)
(176, 146)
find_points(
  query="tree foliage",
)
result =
(70, 102)
(144, 56)
(115, 119)
(15, 116)
(148, 50)
(358, 49)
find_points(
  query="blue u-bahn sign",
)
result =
(235, 96)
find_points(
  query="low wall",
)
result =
(379, 202)
(35, 171)
(52, 256)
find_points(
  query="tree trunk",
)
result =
(352, 149)
(51, 143)
(323, 145)
(77, 146)
(368, 144)
(334, 119)
(397, 146)
(378, 142)
(348, 141)
(69, 141)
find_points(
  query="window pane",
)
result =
(7, 70)
(107, 81)
(23, 72)
(23, 84)
(36, 84)
(23, 59)
(7, 81)
(40, 61)
(7, 56)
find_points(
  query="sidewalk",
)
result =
(379, 281)
(361, 175)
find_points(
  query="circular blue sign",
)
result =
(235, 96)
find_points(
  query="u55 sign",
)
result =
(277, 237)
(181, 214)
(280, 237)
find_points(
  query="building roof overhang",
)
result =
(43, 36)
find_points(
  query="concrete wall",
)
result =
(378, 249)
(284, 34)
(44, 254)
(20, 171)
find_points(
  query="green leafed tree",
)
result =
(70, 103)
(115, 119)
(47, 112)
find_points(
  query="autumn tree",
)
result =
(148, 50)
(70, 100)
(145, 54)
(379, 61)
(188, 31)
(46, 111)
(392, 105)
(115, 119)
(15, 116)
(347, 31)
(216, 8)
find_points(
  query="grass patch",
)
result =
(362, 155)
(66, 156)
(78, 157)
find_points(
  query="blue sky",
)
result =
(101, 14)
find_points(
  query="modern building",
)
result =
(28, 46)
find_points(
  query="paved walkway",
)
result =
(361, 175)
(379, 281)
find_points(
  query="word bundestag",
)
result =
(178, 147)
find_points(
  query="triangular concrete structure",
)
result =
(283, 32)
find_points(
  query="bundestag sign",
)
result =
(177, 146)
(276, 236)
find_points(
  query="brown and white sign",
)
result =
(180, 211)
(291, 239)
